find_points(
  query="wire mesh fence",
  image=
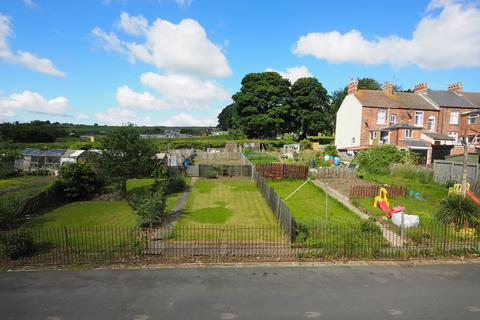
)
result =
(106, 245)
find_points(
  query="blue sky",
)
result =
(177, 62)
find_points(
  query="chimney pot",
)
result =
(387, 88)
(421, 87)
(457, 87)
(353, 86)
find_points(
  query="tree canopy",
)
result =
(262, 104)
(125, 154)
(310, 109)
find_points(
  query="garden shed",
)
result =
(73, 156)
(34, 159)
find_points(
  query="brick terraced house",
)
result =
(428, 122)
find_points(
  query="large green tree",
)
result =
(228, 118)
(310, 107)
(125, 154)
(263, 104)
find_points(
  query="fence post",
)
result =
(66, 244)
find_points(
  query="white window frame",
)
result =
(473, 117)
(420, 115)
(394, 121)
(410, 136)
(454, 135)
(384, 111)
(454, 119)
(433, 123)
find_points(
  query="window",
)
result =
(418, 121)
(454, 117)
(431, 123)
(472, 119)
(393, 119)
(453, 135)
(381, 116)
(408, 133)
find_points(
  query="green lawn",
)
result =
(97, 224)
(227, 203)
(87, 214)
(344, 233)
(308, 204)
(429, 230)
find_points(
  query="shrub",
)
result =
(78, 181)
(10, 209)
(378, 158)
(211, 173)
(175, 184)
(459, 211)
(331, 150)
(150, 207)
(306, 144)
(18, 244)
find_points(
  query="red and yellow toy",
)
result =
(381, 201)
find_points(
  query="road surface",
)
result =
(324, 292)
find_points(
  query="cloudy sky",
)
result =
(177, 62)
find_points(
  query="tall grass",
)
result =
(412, 172)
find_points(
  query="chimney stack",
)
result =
(387, 88)
(457, 87)
(353, 86)
(421, 87)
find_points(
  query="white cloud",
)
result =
(184, 119)
(120, 116)
(294, 73)
(185, 90)
(127, 98)
(33, 102)
(177, 48)
(134, 25)
(184, 3)
(448, 39)
(29, 4)
(24, 58)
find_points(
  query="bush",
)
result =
(175, 184)
(18, 244)
(211, 173)
(331, 150)
(378, 158)
(10, 210)
(78, 181)
(306, 144)
(150, 207)
(459, 211)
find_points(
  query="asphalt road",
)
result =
(333, 292)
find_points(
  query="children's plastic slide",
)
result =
(472, 196)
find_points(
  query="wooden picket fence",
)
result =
(336, 173)
(364, 191)
(281, 171)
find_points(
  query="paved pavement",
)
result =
(324, 292)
